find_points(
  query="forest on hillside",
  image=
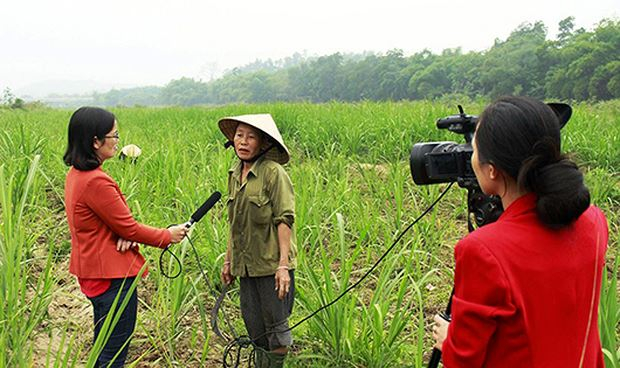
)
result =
(578, 65)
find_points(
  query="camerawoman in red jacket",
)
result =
(527, 287)
(104, 235)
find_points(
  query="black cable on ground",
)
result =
(219, 299)
(232, 351)
(244, 341)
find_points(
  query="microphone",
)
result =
(200, 212)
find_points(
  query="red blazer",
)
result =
(526, 295)
(98, 215)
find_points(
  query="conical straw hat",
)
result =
(264, 123)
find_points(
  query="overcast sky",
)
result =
(150, 42)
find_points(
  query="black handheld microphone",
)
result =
(200, 212)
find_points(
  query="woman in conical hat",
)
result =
(261, 247)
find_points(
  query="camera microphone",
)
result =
(200, 212)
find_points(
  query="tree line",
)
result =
(576, 65)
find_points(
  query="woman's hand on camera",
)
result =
(177, 232)
(440, 331)
(227, 277)
(283, 281)
(123, 245)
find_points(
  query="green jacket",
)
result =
(255, 208)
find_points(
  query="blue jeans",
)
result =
(123, 330)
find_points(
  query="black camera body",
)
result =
(442, 162)
(446, 162)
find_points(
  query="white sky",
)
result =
(145, 42)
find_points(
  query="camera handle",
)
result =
(481, 208)
(436, 356)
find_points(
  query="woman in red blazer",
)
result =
(104, 235)
(527, 286)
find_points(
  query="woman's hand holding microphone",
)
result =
(177, 232)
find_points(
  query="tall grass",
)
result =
(25, 291)
(353, 194)
(609, 317)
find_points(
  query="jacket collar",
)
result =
(521, 205)
(254, 170)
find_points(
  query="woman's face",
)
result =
(482, 170)
(106, 147)
(247, 142)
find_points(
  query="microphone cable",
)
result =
(244, 341)
(194, 218)
(161, 263)
(219, 299)
(232, 352)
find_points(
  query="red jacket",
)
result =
(98, 215)
(526, 295)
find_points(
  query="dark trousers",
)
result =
(266, 316)
(121, 334)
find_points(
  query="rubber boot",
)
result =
(275, 360)
(261, 360)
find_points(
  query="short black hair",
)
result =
(85, 124)
(521, 136)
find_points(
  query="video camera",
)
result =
(445, 162)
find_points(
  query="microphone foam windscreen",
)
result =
(209, 203)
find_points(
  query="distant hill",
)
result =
(53, 88)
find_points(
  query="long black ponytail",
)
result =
(521, 136)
